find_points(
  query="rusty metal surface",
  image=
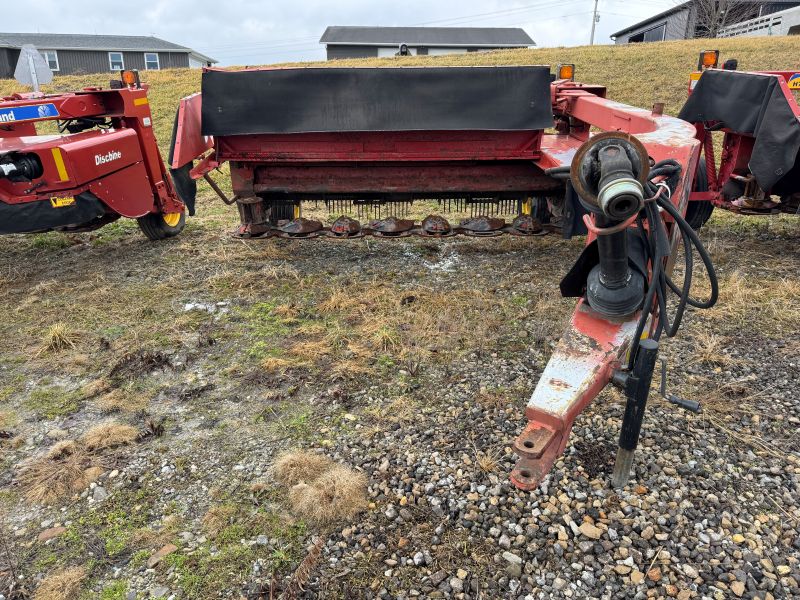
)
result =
(391, 227)
(300, 228)
(526, 225)
(579, 368)
(345, 227)
(436, 226)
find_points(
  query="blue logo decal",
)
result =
(794, 82)
(28, 113)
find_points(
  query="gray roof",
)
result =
(484, 37)
(70, 41)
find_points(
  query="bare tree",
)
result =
(713, 15)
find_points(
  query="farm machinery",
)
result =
(759, 119)
(102, 164)
(513, 150)
(473, 138)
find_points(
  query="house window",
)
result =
(51, 56)
(115, 61)
(151, 61)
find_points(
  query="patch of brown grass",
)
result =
(96, 387)
(61, 585)
(709, 349)
(57, 337)
(297, 466)
(339, 301)
(217, 518)
(338, 494)
(311, 350)
(276, 364)
(402, 409)
(769, 303)
(60, 471)
(109, 435)
(487, 461)
(121, 401)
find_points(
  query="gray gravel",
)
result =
(712, 510)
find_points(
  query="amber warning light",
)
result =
(566, 72)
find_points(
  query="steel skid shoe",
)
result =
(437, 227)
(345, 227)
(482, 226)
(300, 228)
(526, 225)
(391, 227)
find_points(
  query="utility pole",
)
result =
(594, 22)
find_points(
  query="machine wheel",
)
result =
(158, 226)
(698, 212)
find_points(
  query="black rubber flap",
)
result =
(376, 99)
(753, 104)
(42, 216)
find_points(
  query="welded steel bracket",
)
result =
(579, 368)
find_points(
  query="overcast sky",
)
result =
(239, 32)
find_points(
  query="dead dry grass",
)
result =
(665, 66)
(320, 490)
(70, 465)
(109, 435)
(62, 585)
(767, 301)
(408, 326)
(219, 517)
(119, 400)
(488, 461)
(709, 349)
(62, 470)
(57, 337)
(338, 494)
(296, 466)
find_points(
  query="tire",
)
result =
(158, 226)
(699, 211)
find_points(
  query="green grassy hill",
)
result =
(638, 74)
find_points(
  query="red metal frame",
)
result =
(132, 185)
(593, 346)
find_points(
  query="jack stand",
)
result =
(636, 385)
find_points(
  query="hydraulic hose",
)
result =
(657, 247)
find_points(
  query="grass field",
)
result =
(147, 390)
(634, 74)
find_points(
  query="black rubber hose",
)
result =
(701, 250)
(657, 248)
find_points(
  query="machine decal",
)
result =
(59, 160)
(794, 82)
(60, 202)
(101, 159)
(28, 113)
